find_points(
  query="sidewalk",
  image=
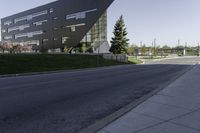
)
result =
(147, 61)
(163, 60)
(176, 109)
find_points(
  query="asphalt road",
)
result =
(70, 101)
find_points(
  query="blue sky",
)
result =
(166, 20)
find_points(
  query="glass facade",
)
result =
(98, 33)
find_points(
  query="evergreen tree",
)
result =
(119, 43)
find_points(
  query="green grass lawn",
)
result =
(25, 63)
(133, 60)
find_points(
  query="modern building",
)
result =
(60, 24)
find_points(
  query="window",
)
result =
(71, 16)
(51, 10)
(20, 35)
(45, 40)
(79, 15)
(64, 40)
(55, 28)
(13, 29)
(73, 27)
(55, 18)
(63, 27)
(40, 22)
(39, 13)
(20, 19)
(22, 27)
(31, 16)
(9, 22)
(3, 31)
(88, 37)
(7, 37)
(32, 42)
(29, 34)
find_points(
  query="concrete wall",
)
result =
(103, 47)
(118, 57)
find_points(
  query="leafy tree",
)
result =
(119, 42)
(83, 47)
(131, 50)
(180, 47)
(166, 47)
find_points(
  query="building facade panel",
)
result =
(57, 24)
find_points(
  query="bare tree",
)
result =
(14, 47)
(7, 46)
(17, 48)
(1, 46)
(27, 48)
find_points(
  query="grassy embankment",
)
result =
(25, 63)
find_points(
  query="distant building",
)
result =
(60, 24)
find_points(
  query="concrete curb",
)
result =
(105, 121)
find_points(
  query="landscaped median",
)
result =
(27, 63)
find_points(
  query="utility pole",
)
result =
(185, 49)
(152, 50)
(178, 43)
(154, 42)
(141, 43)
(186, 44)
(198, 50)
(178, 49)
